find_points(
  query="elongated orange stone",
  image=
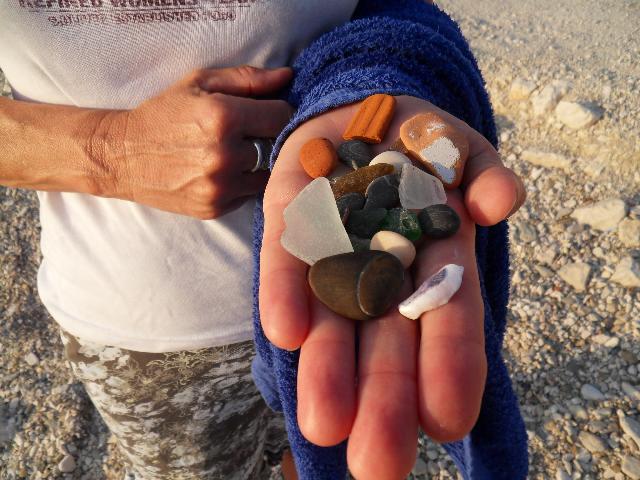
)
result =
(372, 120)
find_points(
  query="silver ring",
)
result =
(264, 146)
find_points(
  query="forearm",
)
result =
(54, 148)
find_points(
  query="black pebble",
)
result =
(359, 244)
(349, 203)
(355, 154)
(439, 221)
(383, 192)
(365, 223)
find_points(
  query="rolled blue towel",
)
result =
(403, 47)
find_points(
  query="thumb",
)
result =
(244, 81)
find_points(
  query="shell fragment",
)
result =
(436, 291)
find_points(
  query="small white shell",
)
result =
(436, 291)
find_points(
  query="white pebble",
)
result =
(395, 244)
(391, 157)
(436, 291)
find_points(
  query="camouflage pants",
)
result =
(181, 415)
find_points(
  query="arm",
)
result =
(52, 147)
(185, 151)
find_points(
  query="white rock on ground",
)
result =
(631, 427)
(521, 89)
(631, 467)
(627, 273)
(592, 442)
(604, 215)
(629, 232)
(546, 99)
(547, 159)
(589, 392)
(632, 392)
(67, 464)
(31, 359)
(576, 275)
(578, 115)
(561, 474)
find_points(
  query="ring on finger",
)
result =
(264, 146)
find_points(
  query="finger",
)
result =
(261, 118)
(252, 183)
(387, 418)
(452, 362)
(492, 191)
(283, 278)
(244, 156)
(244, 81)
(326, 378)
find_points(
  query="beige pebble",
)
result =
(391, 157)
(395, 244)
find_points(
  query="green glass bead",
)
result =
(403, 222)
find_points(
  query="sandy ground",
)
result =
(572, 343)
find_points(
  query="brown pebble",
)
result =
(360, 285)
(318, 157)
(437, 145)
(358, 180)
(372, 120)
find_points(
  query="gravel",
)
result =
(558, 340)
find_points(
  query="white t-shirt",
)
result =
(117, 272)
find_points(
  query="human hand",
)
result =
(408, 374)
(431, 374)
(189, 149)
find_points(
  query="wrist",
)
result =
(105, 153)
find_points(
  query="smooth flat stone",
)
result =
(348, 203)
(383, 192)
(439, 221)
(402, 221)
(318, 157)
(437, 145)
(360, 285)
(395, 244)
(359, 244)
(418, 189)
(355, 154)
(365, 223)
(314, 229)
(358, 180)
(436, 291)
(392, 157)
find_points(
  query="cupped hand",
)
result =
(189, 149)
(430, 373)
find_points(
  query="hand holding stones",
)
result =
(415, 356)
(378, 200)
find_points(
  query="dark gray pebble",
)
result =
(355, 154)
(439, 221)
(383, 192)
(348, 203)
(359, 244)
(365, 223)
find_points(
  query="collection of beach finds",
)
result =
(357, 231)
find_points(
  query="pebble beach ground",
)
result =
(565, 84)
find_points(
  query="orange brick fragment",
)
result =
(372, 120)
(318, 157)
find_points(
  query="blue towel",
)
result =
(403, 47)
